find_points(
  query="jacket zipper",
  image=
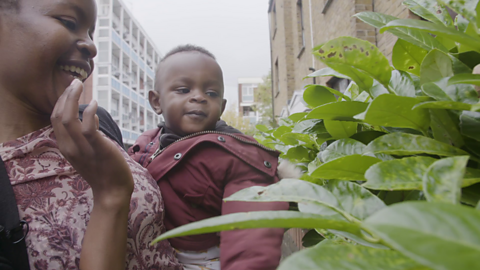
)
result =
(159, 151)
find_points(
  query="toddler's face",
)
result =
(189, 92)
(43, 47)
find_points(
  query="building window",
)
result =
(104, 22)
(247, 93)
(103, 81)
(102, 70)
(104, 33)
(301, 32)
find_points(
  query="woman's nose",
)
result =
(87, 47)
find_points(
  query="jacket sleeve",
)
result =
(250, 249)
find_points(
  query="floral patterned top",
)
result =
(56, 202)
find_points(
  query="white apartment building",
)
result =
(246, 98)
(124, 70)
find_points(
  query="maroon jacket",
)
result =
(212, 167)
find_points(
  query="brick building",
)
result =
(297, 26)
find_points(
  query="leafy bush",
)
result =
(391, 165)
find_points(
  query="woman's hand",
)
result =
(96, 158)
(102, 165)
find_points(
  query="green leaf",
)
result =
(443, 179)
(310, 126)
(471, 58)
(329, 256)
(354, 199)
(398, 174)
(299, 154)
(457, 92)
(435, 66)
(351, 167)
(263, 128)
(296, 117)
(366, 137)
(467, 8)
(445, 129)
(352, 91)
(316, 95)
(470, 124)
(311, 238)
(340, 129)
(416, 37)
(341, 148)
(465, 78)
(327, 72)
(438, 235)
(403, 144)
(260, 219)
(408, 57)
(402, 84)
(478, 206)
(439, 30)
(280, 131)
(343, 110)
(396, 111)
(430, 10)
(297, 138)
(356, 58)
(449, 105)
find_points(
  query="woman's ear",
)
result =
(154, 99)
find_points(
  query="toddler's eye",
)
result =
(183, 90)
(212, 94)
(69, 24)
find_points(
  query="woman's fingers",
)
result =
(90, 124)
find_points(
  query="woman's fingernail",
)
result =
(75, 82)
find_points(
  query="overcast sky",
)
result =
(236, 32)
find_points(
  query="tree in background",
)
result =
(263, 98)
(237, 121)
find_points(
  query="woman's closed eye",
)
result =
(70, 24)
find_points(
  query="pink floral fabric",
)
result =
(56, 202)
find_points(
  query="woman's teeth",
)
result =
(81, 74)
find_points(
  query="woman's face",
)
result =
(43, 46)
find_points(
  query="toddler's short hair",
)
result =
(188, 48)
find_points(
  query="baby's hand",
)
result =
(96, 158)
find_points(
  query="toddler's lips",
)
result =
(197, 113)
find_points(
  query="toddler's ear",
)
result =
(154, 99)
(224, 104)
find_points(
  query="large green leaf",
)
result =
(327, 72)
(467, 8)
(465, 78)
(356, 58)
(430, 10)
(340, 129)
(444, 128)
(316, 95)
(449, 105)
(401, 83)
(398, 174)
(310, 126)
(354, 199)
(408, 57)
(435, 66)
(439, 30)
(441, 91)
(299, 154)
(343, 110)
(396, 111)
(416, 37)
(341, 148)
(260, 219)
(438, 235)
(470, 124)
(366, 137)
(407, 174)
(443, 179)
(297, 117)
(330, 256)
(351, 167)
(403, 144)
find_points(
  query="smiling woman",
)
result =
(64, 172)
